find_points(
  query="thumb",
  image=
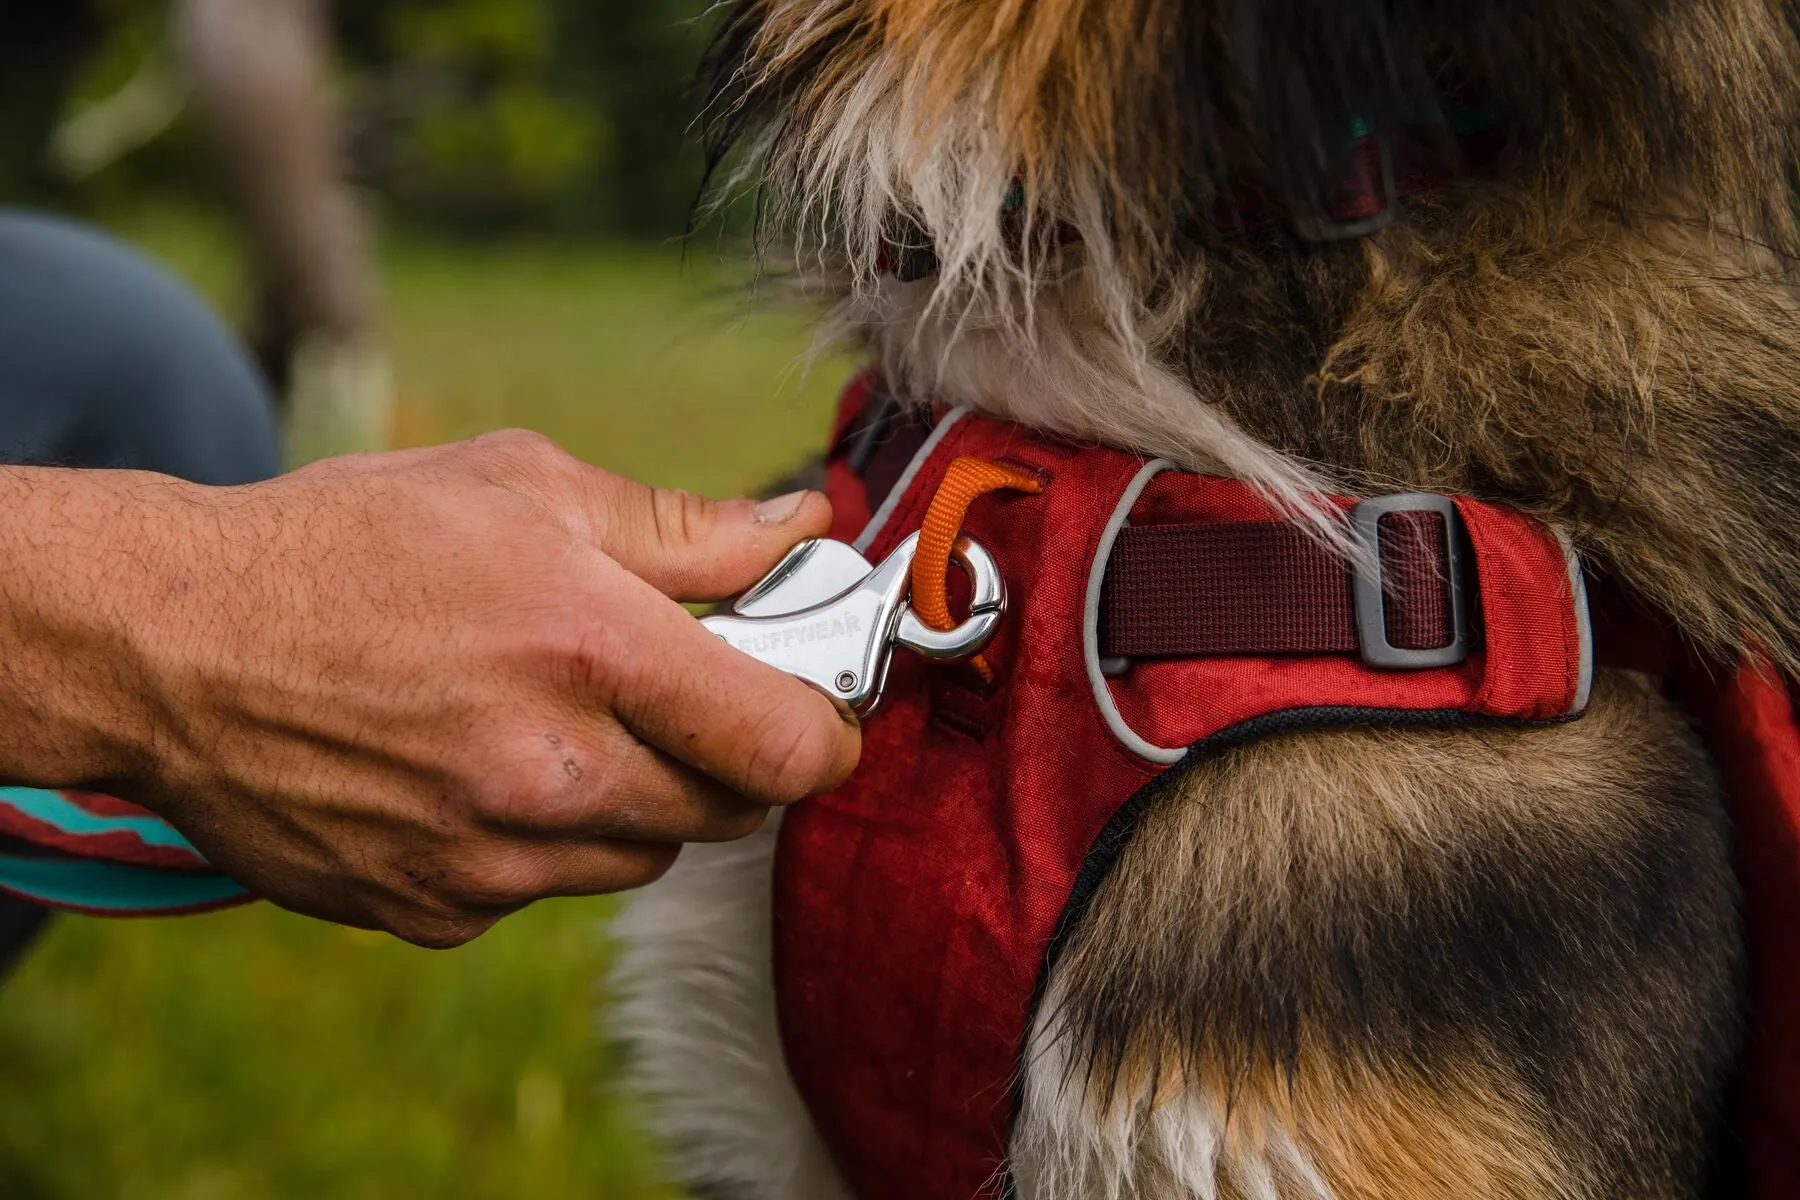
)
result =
(694, 549)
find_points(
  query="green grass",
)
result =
(254, 1055)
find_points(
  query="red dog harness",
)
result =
(1154, 615)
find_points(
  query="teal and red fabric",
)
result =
(95, 854)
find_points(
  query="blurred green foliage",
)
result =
(481, 131)
(553, 116)
(565, 114)
(45, 47)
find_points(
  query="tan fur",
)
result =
(1321, 1131)
(1375, 1138)
(1236, 947)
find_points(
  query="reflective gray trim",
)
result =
(873, 530)
(1584, 624)
(1090, 624)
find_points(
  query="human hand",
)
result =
(417, 691)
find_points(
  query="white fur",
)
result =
(1176, 1144)
(695, 998)
(1076, 378)
(1016, 323)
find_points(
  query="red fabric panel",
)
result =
(852, 407)
(897, 444)
(914, 905)
(1528, 615)
(1749, 721)
(850, 507)
(947, 860)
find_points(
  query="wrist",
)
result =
(94, 570)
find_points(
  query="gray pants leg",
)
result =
(108, 361)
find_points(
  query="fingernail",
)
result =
(781, 509)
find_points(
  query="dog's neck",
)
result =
(1628, 381)
(1540, 339)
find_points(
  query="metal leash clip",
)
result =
(825, 615)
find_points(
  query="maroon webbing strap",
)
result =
(1259, 588)
(1249, 588)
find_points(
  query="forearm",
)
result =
(413, 690)
(93, 565)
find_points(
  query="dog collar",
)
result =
(1374, 169)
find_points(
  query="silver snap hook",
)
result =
(827, 616)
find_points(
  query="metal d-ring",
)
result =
(986, 606)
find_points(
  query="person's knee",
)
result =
(106, 360)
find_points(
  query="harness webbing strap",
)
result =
(1176, 591)
(1253, 588)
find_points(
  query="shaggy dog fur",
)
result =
(1332, 964)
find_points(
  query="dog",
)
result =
(1501, 961)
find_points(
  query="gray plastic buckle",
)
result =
(1370, 590)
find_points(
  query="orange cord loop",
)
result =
(967, 480)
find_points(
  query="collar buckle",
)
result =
(1363, 179)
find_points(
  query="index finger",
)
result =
(757, 730)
